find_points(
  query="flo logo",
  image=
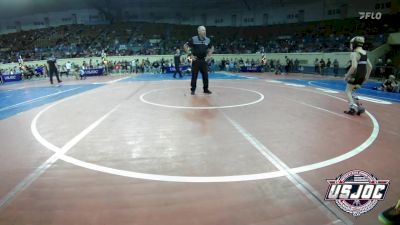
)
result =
(356, 191)
(370, 15)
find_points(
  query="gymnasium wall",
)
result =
(51, 19)
(306, 59)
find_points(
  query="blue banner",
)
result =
(171, 69)
(12, 77)
(251, 69)
(93, 72)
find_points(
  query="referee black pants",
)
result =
(199, 65)
(52, 73)
(177, 70)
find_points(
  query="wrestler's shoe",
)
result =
(360, 110)
(353, 109)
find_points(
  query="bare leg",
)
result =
(349, 93)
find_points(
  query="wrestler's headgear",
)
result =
(357, 41)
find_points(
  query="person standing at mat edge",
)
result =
(177, 62)
(358, 73)
(201, 50)
(52, 68)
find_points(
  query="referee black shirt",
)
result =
(52, 63)
(177, 59)
(199, 47)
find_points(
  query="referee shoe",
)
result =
(207, 92)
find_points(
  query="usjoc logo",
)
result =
(370, 15)
(356, 191)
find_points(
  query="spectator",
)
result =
(379, 68)
(390, 85)
(1, 77)
(133, 66)
(68, 66)
(322, 66)
(278, 68)
(82, 74)
(328, 65)
(335, 67)
(316, 66)
(177, 63)
(389, 68)
(156, 67)
(287, 65)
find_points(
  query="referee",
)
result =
(202, 49)
(52, 68)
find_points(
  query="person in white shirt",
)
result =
(20, 61)
(68, 66)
